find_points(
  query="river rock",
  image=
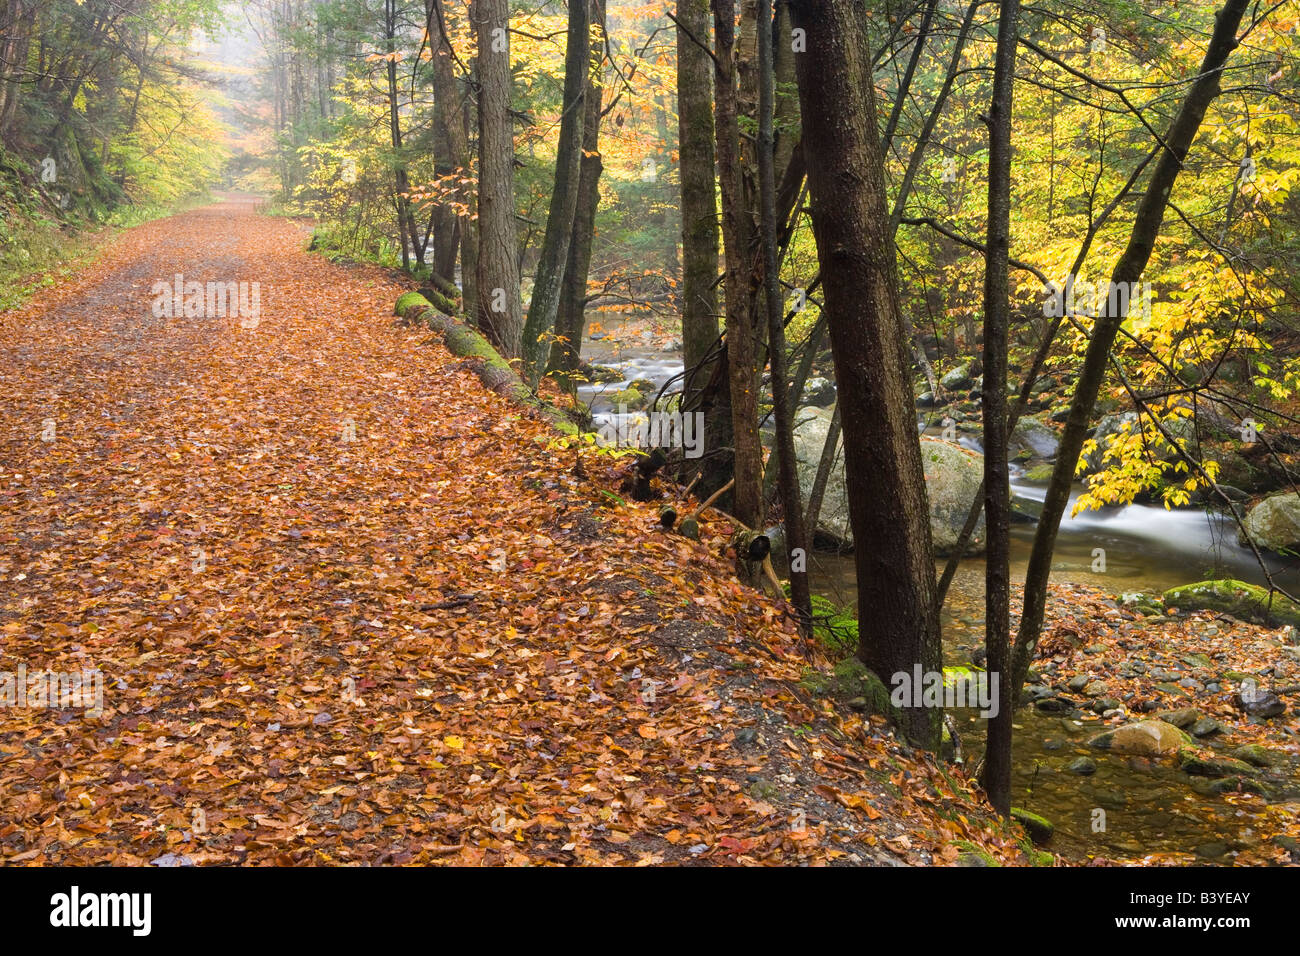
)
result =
(1082, 766)
(631, 398)
(957, 380)
(1245, 602)
(1257, 755)
(1109, 426)
(1182, 718)
(1038, 439)
(819, 392)
(1147, 738)
(952, 477)
(1274, 523)
(1198, 766)
(1260, 703)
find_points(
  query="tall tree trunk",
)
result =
(1146, 227)
(883, 476)
(405, 219)
(457, 105)
(787, 477)
(499, 307)
(554, 255)
(699, 197)
(996, 776)
(739, 243)
(446, 124)
(570, 320)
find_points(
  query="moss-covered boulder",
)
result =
(1189, 761)
(1257, 755)
(952, 479)
(1036, 438)
(1245, 602)
(854, 684)
(630, 398)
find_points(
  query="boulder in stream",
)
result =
(1033, 436)
(1274, 523)
(952, 477)
(957, 380)
(1146, 738)
(819, 392)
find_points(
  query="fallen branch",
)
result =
(493, 370)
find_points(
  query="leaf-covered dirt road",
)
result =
(349, 607)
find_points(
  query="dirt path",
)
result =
(349, 607)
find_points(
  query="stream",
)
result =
(1149, 805)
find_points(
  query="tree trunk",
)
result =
(554, 256)
(739, 244)
(446, 157)
(884, 480)
(699, 199)
(787, 477)
(571, 320)
(499, 307)
(996, 776)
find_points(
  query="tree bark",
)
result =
(783, 448)
(699, 199)
(446, 157)
(570, 320)
(739, 244)
(883, 475)
(554, 255)
(499, 307)
(996, 775)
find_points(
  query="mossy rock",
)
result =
(972, 855)
(1040, 829)
(851, 682)
(1198, 766)
(1240, 785)
(631, 398)
(1246, 602)
(1257, 755)
(1039, 474)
